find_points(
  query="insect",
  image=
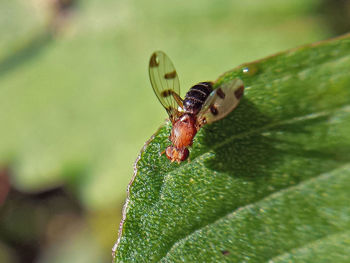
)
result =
(201, 105)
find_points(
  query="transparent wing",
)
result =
(221, 102)
(165, 83)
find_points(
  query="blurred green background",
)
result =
(76, 105)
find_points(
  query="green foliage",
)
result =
(76, 108)
(268, 182)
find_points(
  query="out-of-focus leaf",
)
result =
(269, 182)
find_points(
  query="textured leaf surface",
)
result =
(268, 182)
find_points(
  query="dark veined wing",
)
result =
(221, 102)
(165, 83)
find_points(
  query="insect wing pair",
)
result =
(166, 86)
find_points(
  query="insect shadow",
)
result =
(245, 143)
(237, 148)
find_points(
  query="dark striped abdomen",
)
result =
(196, 96)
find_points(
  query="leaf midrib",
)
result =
(310, 116)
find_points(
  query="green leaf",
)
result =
(75, 108)
(268, 182)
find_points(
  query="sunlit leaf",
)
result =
(269, 182)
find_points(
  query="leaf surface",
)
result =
(268, 182)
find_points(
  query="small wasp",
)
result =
(202, 104)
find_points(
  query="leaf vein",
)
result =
(322, 176)
(310, 116)
(304, 246)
